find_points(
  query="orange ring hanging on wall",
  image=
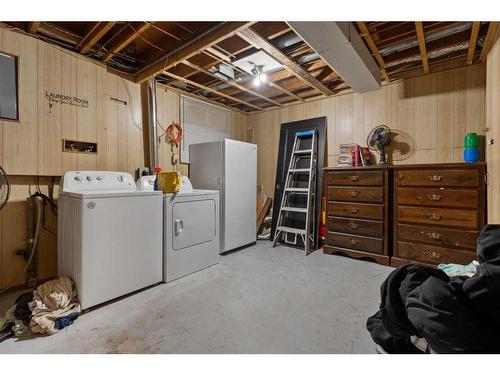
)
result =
(174, 133)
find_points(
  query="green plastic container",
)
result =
(471, 140)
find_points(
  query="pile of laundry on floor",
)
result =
(458, 314)
(45, 310)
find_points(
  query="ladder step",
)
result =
(292, 230)
(300, 170)
(307, 133)
(297, 190)
(302, 151)
(294, 209)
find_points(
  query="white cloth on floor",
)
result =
(51, 301)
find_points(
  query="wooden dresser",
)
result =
(439, 210)
(358, 212)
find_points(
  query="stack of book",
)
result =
(353, 155)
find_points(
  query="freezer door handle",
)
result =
(179, 224)
(220, 181)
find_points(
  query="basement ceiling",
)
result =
(184, 56)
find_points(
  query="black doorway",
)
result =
(287, 137)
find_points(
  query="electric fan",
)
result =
(378, 138)
(4, 188)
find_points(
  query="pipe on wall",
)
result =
(151, 122)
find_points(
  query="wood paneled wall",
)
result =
(33, 145)
(493, 134)
(430, 115)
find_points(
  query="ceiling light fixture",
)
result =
(259, 75)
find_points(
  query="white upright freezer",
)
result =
(231, 167)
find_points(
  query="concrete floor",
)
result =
(257, 300)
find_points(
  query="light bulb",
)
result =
(263, 77)
(256, 81)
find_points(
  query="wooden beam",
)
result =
(125, 40)
(169, 87)
(191, 48)
(421, 43)
(472, 42)
(373, 47)
(199, 85)
(33, 27)
(234, 84)
(259, 42)
(95, 35)
(488, 40)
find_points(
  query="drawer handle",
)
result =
(434, 197)
(435, 178)
(355, 193)
(354, 210)
(432, 235)
(353, 225)
(432, 254)
(354, 242)
(432, 216)
(354, 178)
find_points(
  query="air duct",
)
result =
(343, 49)
(429, 37)
(149, 118)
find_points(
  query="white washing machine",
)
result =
(190, 229)
(110, 235)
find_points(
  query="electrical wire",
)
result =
(172, 138)
(33, 248)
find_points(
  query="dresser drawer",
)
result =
(356, 178)
(356, 194)
(439, 216)
(356, 210)
(438, 236)
(423, 196)
(371, 245)
(436, 177)
(356, 226)
(433, 254)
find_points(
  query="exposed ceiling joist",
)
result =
(373, 47)
(473, 41)
(421, 43)
(33, 27)
(169, 87)
(259, 42)
(488, 40)
(234, 84)
(199, 85)
(190, 49)
(125, 39)
(54, 31)
(218, 54)
(94, 35)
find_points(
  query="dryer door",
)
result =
(193, 223)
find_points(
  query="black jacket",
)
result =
(455, 315)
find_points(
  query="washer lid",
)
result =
(109, 193)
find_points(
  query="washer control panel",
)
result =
(146, 183)
(97, 180)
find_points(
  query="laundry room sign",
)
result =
(54, 98)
